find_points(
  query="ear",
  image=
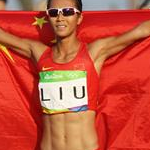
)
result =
(80, 18)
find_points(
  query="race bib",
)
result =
(63, 91)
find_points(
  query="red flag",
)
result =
(123, 117)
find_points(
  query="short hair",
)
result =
(144, 4)
(78, 4)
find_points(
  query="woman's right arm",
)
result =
(26, 47)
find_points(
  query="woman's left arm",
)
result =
(107, 47)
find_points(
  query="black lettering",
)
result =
(75, 93)
(42, 96)
(61, 93)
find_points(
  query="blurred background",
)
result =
(87, 4)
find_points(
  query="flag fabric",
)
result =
(123, 116)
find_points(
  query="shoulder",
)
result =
(101, 47)
(96, 49)
(100, 44)
(38, 48)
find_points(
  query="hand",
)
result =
(144, 29)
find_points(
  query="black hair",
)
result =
(144, 4)
(78, 4)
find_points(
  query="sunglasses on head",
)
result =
(54, 12)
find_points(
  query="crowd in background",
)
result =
(3, 4)
(22, 4)
(108, 5)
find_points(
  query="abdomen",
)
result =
(70, 131)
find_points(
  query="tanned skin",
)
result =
(72, 131)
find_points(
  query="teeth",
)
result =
(61, 26)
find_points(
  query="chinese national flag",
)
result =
(123, 116)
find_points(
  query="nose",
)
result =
(60, 16)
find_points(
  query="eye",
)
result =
(53, 12)
(68, 11)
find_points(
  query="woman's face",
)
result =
(64, 26)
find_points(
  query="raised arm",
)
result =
(26, 47)
(104, 48)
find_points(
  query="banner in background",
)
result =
(123, 117)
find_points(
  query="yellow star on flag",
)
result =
(5, 50)
(53, 41)
(39, 22)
